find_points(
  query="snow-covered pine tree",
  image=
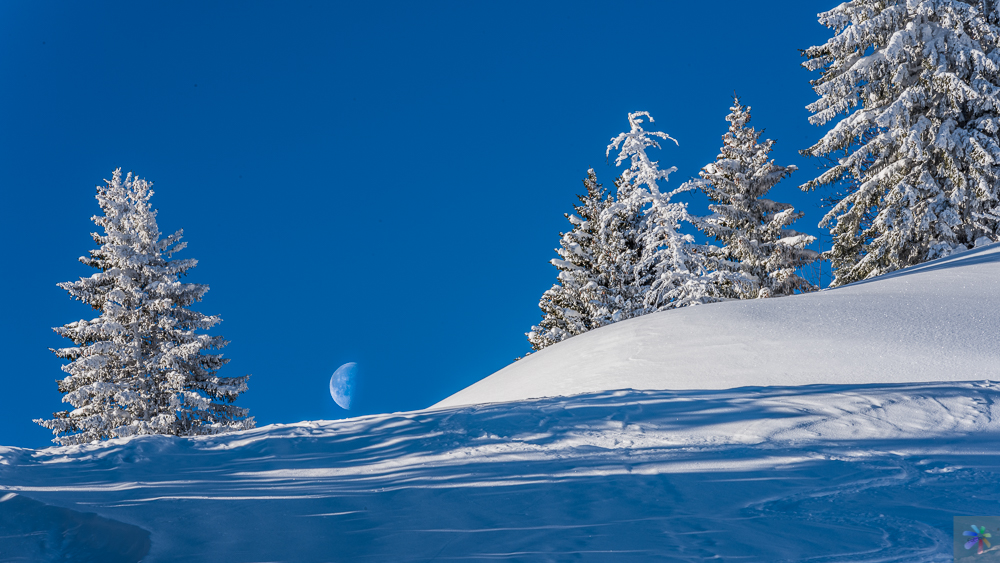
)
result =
(918, 82)
(671, 265)
(140, 367)
(570, 307)
(754, 233)
(622, 240)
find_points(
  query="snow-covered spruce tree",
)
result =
(671, 265)
(140, 367)
(753, 231)
(570, 307)
(918, 84)
(622, 260)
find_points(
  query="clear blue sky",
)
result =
(379, 182)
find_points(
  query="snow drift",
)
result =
(934, 322)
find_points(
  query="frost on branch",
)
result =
(141, 367)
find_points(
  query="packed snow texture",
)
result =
(934, 322)
(820, 473)
(833, 472)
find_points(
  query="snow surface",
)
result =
(828, 472)
(934, 322)
(831, 472)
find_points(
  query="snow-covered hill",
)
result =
(935, 322)
(821, 465)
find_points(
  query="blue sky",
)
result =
(374, 182)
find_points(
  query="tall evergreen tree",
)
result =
(672, 267)
(918, 84)
(621, 262)
(754, 231)
(141, 367)
(571, 306)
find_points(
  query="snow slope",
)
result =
(825, 473)
(934, 322)
(833, 472)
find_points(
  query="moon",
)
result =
(342, 384)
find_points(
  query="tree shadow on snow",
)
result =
(35, 531)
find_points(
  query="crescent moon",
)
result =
(342, 384)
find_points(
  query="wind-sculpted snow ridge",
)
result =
(821, 473)
(932, 322)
